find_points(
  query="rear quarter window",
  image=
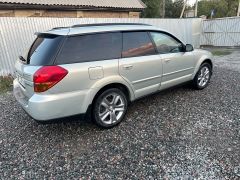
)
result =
(44, 50)
(91, 47)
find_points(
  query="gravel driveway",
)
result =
(176, 134)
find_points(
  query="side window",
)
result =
(91, 47)
(165, 43)
(137, 44)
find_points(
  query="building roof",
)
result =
(124, 4)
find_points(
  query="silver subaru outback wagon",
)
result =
(103, 67)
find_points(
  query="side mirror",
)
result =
(188, 48)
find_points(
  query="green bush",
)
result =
(5, 83)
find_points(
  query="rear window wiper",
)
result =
(22, 59)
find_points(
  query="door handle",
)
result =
(128, 67)
(167, 60)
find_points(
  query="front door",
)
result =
(178, 66)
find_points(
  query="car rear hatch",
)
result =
(42, 53)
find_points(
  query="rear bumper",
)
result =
(47, 107)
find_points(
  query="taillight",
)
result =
(48, 76)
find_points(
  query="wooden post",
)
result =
(184, 6)
(196, 8)
(163, 8)
(238, 13)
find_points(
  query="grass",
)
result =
(5, 83)
(221, 52)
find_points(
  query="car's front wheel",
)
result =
(110, 108)
(203, 76)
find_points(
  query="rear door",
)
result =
(140, 65)
(91, 60)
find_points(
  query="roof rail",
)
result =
(58, 28)
(108, 24)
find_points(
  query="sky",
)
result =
(191, 1)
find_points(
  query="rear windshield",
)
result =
(44, 49)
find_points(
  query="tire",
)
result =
(109, 108)
(203, 76)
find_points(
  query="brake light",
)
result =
(48, 76)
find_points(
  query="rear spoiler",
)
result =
(46, 34)
(54, 31)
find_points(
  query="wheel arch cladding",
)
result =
(120, 86)
(204, 59)
(209, 61)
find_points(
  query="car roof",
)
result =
(95, 28)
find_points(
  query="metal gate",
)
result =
(221, 32)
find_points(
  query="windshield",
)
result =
(44, 49)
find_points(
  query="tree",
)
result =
(232, 7)
(173, 9)
(222, 8)
(154, 8)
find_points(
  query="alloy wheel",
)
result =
(204, 76)
(111, 108)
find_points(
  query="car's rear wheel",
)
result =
(110, 108)
(203, 76)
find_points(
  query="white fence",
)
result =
(16, 34)
(221, 32)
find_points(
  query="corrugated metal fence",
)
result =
(221, 32)
(16, 34)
